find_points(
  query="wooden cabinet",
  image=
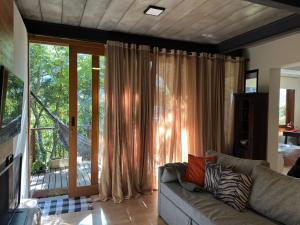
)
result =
(251, 125)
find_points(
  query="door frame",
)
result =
(75, 191)
(92, 48)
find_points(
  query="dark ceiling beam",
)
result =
(290, 5)
(101, 36)
(280, 27)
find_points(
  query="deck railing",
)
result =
(46, 145)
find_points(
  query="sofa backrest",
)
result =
(239, 165)
(275, 195)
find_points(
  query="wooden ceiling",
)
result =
(202, 21)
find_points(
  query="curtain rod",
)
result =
(188, 53)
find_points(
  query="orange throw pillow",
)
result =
(195, 172)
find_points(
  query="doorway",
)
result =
(84, 116)
(66, 116)
(289, 116)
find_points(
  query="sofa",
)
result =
(274, 199)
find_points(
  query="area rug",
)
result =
(63, 204)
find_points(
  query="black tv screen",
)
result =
(10, 184)
(11, 101)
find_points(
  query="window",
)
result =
(286, 106)
(282, 107)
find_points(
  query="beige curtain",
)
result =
(234, 83)
(189, 105)
(127, 157)
(160, 106)
(194, 103)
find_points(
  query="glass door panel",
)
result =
(84, 119)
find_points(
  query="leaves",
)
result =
(49, 80)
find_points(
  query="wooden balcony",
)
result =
(55, 181)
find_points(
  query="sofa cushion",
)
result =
(195, 171)
(237, 164)
(234, 189)
(275, 195)
(213, 172)
(203, 208)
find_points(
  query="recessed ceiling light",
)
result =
(154, 10)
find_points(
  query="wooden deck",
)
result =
(57, 179)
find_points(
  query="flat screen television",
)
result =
(11, 102)
(10, 185)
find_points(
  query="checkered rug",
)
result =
(63, 204)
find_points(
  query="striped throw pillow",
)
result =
(213, 172)
(234, 189)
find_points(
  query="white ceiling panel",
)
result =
(202, 21)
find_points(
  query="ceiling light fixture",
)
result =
(153, 10)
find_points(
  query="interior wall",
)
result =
(20, 68)
(269, 57)
(293, 83)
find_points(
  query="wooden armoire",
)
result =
(251, 125)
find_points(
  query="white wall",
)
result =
(293, 83)
(269, 57)
(21, 70)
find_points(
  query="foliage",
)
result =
(49, 80)
(38, 167)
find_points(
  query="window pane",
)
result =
(282, 107)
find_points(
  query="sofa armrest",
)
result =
(159, 174)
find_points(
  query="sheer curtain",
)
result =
(234, 83)
(127, 158)
(160, 106)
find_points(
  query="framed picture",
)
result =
(251, 81)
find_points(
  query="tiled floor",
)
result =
(139, 211)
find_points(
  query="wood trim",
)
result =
(283, 26)
(101, 36)
(86, 191)
(289, 5)
(96, 48)
(75, 191)
(72, 116)
(95, 119)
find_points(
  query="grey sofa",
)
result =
(274, 199)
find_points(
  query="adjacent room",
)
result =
(289, 116)
(149, 112)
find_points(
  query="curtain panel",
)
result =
(127, 158)
(159, 107)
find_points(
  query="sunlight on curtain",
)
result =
(160, 107)
(234, 80)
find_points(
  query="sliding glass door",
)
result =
(84, 98)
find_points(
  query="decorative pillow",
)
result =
(234, 189)
(169, 175)
(213, 172)
(195, 171)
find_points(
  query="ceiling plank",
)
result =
(267, 16)
(200, 14)
(114, 13)
(290, 5)
(72, 11)
(146, 22)
(181, 10)
(283, 26)
(51, 10)
(31, 9)
(93, 13)
(232, 18)
(134, 14)
(101, 36)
